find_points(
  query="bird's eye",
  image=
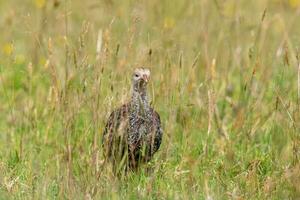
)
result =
(136, 75)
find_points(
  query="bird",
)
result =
(133, 132)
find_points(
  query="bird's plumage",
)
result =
(133, 132)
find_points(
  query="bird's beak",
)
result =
(145, 78)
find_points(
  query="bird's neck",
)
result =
(140, 102)
(139, 110)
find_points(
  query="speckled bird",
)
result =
(133, 132)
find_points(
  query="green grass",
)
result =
(224, 80)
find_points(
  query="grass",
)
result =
(224, 80)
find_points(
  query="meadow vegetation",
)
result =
(225, 78)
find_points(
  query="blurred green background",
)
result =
(224, 78)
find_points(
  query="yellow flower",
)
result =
(43, 61)
(294, 3)
(169, 23)
(8, 49)
(229, 8)
(40, 3)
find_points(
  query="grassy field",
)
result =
(225, 80)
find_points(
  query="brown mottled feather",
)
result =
(115, 144)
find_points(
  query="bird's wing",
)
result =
(116, 127)
(158, 131)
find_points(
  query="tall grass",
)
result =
(224, 78)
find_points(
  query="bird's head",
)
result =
(141, 77)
